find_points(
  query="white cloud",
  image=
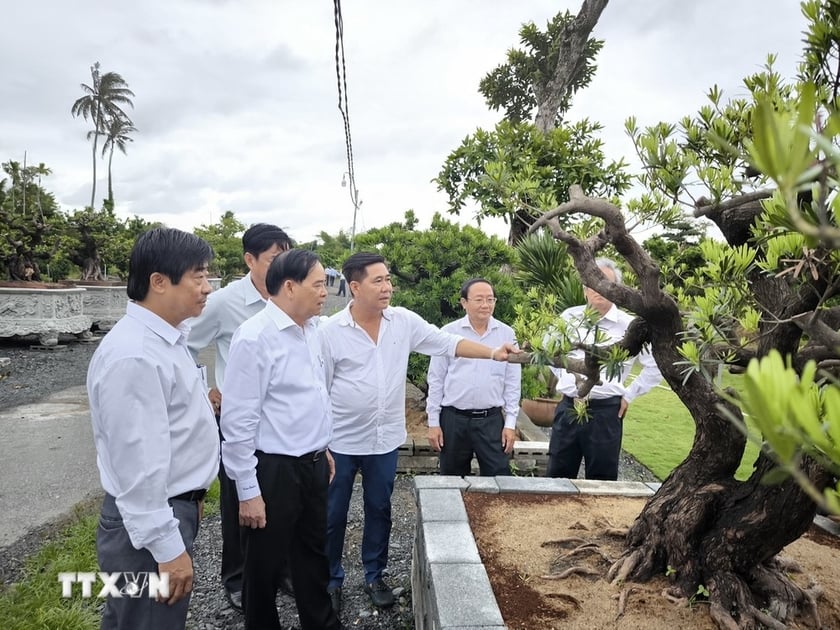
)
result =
(236, 101)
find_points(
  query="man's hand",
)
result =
(504, 351)
(622, 409)
(435, 436)
(180, 572)
(331, 463)
(508, 438)
(215, 397)
(252, 513)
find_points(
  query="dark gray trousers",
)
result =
(116, 555)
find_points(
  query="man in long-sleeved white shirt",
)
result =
(597, 438)
(276, 425)
(226, 309)
(366, 349)
(157, 446)
(472, 405)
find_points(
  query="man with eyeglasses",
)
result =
(472, 405)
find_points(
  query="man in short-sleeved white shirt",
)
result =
(366, 349)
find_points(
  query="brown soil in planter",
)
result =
(516, 536)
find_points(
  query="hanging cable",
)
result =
(341, 79)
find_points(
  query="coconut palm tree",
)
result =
(102, 101)
(117, 132)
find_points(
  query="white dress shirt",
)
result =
(154, 428)
(275, 397)
(614, 324)
(475, 383)
(366, 380)
(226, 309)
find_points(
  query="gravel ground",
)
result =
(33, 374)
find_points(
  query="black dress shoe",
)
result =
(234, 599)
(286, 585)
(335, 599)
(380, 593)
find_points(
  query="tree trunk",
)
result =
(110, 188)
(550, 96)
(704, 527)
(92, 269)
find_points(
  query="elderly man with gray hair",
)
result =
(596, 438)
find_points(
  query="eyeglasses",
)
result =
(482, 301)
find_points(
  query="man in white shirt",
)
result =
(157, 446)
(366, 348)
(276, 425)
(226, 309)
(472, 405)
(596, 438)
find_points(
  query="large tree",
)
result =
(103, 102)
(765, 300)
(527, 163)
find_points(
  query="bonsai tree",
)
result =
(29, 217)
(765, 302)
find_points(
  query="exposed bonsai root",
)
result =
(622, 600)
(766, 619)
(625, 567)
(788, 565)
(676, 599)
(618, 532)
(569, 572)
(587, 548)
(564, 541)
(574, 601)
(722, 619)
(579, 525)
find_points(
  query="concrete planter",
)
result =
(104, 303)
(42, 310)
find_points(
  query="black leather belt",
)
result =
(192, 495)
(313, 456)
(476, 413)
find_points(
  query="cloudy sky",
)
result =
(236, 99)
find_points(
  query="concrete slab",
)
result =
(440, 482)
(450, 543)
(441, 505)
(615, 488)
(536, 485)
(482, 484)
(450, 583)
(48, 462)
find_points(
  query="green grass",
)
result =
(35, 602)
(659, 432)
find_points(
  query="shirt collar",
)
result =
(154, 322)
(345, 318)
(251, 293)
(612, 314)
(278, 316)
(464, 322)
